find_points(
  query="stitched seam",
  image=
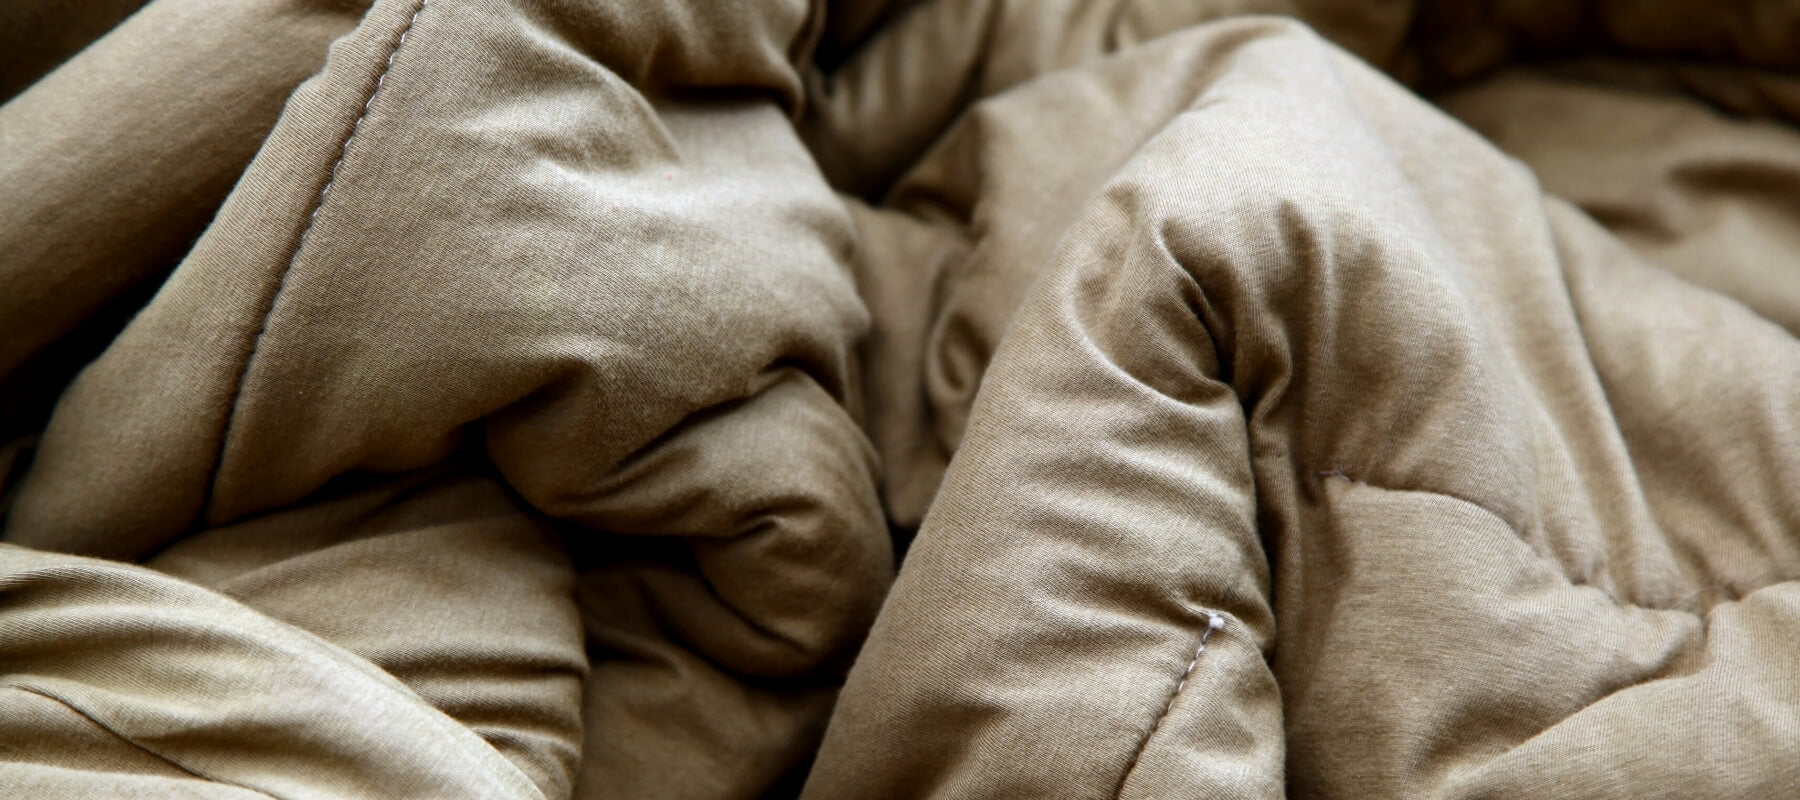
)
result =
(1520, 533)
(96, 722)
(1214, 622)
(312, 220)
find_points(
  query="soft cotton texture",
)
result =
(527, 398)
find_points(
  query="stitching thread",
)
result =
(312, 219)
(130, 742)
(344, 149)
(1214, 622)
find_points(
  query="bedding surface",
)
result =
(936, 399)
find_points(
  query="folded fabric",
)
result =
(525, 398)
(495, 234)
(1481, 500)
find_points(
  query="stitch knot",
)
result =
(1214, 622)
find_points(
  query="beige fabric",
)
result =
(550, 305)
(1707, 197)
(527, 398)
(957, 240)
(1524, 499)
(38, 35)
(116, 161)
(160, 687)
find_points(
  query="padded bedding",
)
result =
(937, 399)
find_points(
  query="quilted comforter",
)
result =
(941, 399)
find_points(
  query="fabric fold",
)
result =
(531, 398)
(1315, 327)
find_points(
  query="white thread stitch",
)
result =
(1214, 622)
(356, 127)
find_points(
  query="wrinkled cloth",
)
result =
(542, 325)
(522, 398)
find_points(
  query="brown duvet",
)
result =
(947, 399)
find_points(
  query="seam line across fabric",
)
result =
(312, 219)
(130, 742)
(1214, 623)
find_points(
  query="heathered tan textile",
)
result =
(1484, 499)
(115, 162)
(528, 398)
(38, 35)
(603, 269)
